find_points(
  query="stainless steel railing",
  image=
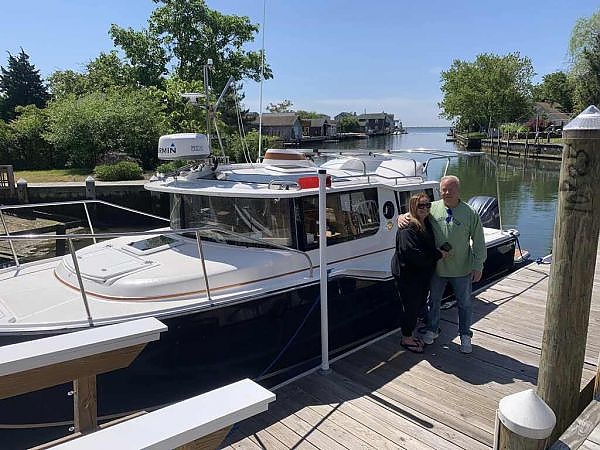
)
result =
(94, 236)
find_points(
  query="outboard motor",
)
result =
(488, 210)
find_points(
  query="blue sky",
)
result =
(329, 55)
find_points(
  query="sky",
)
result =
(327, 56)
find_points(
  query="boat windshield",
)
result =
(266, 219)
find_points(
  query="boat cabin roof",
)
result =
(290, 177)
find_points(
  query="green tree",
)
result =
(107, 71)
(310, 114)
(5, 143)
(182, 117)
(145, 52)
(349, 124)
(29, 148)
(246, 149)
(20, 85)
(556, 88)
(185, 34)
(491, 90)
(65, 82)
(583, 49)
(588, 90)
(101, 74)
(121, 119)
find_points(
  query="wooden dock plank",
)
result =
(385, 397)
(402, 425)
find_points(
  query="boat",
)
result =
(234, 275)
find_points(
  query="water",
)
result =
(527, 188)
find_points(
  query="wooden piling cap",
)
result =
(589, 119)
(526, 415)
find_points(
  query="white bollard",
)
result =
(90, 188)
(523, 422)
(22, 195)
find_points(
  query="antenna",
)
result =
(262, 77)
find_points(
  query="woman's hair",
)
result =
(412, 208)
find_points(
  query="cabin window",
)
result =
(259, 219)
(349, 216)
(404, 198)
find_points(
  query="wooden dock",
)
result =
(384, 397)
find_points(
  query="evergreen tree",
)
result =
(20, 85)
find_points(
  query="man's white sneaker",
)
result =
(465, 344)
(429, 337)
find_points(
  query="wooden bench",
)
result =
(201, 422)
(78, 357)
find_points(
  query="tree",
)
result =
(185, 34)
(64, 82)
(588, 91)
(21, 85)
(281, 107)
(349, 124)
(29, 149)
(246, 149)
(584, 48)
(103, 73)
(145, 53)
(556, 88)
(489, 91)
(310, 114)
(107, 71)
(122, 120)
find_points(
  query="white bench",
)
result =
(182, 423)
(78, 357)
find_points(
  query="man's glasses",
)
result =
(449, 217)
(424, 205)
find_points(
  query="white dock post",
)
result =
(323, 270)
(523, 422)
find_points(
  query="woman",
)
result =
(413, 265)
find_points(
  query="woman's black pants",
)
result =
(413, 295)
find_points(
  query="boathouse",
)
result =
(286, 126)
(376, 123)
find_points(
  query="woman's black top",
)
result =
(416, 254)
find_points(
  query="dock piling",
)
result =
(574, 250)
(523, 422)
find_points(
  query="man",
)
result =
(457, 224)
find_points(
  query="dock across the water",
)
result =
(384, 397)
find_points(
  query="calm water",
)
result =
(527, 189)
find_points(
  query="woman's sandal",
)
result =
(415, 346)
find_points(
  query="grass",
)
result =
(52, 176)
(58, 175)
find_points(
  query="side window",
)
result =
(349, 216)
(404, 198)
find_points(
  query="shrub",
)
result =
(122, 171)
(171, 166)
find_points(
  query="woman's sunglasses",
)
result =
(424, 205)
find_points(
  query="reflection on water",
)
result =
(528, 189)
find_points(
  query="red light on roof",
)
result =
(312, 182)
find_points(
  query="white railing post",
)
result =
(323, 270)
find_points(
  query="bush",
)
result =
(122, 171)
(171, 166)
